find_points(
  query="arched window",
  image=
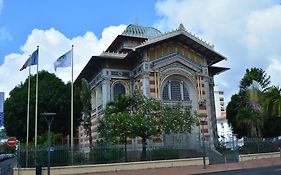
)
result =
(117, 90)
(175, 90)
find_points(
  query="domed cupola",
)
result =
(141, 31)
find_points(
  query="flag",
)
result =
(32, 60)
(64, 60)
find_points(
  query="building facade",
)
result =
(225, 134)
(173, 67)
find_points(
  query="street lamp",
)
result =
(49, 118)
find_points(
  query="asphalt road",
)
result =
(273, 170)
(7, 166)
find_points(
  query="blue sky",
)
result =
(71, 17)
(246, 32)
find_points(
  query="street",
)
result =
(273, 170)
(7, 166)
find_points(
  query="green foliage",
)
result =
(165, 154)
(43, 139)
(257, 74)
(178, 119)
(85, 96)
(237, 101)
(247, 117)
(53, 96)
(138, 116)
(257, 146)
(4, 148)
(254, 111)
(116, 124)
(104, 153)
(59, 157)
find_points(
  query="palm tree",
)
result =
(252, 86)
(85, 96)
(117, 114)
(271, 107)
(272, 102)
(247, 117)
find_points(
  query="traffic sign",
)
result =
(12, 141)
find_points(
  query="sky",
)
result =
(248, 33)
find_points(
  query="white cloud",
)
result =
(274, 68)
(1, 5)
(53, 44)
(246, 32)
(4, 34)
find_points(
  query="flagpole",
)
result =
(36, 103)
(71, 105)
(27, 120)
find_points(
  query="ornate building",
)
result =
(174, 67)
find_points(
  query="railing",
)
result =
(113, 54)
(61, 155)
(187, 103)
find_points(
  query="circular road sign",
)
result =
(12, 141)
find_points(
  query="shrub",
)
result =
(106, 154)
(165, 153)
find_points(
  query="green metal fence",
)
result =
(61, 155)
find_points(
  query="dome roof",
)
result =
(141, 31)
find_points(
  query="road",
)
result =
(273, 170)
(7, 166)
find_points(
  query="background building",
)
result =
(224, 130)
(173, 67)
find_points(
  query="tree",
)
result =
(237, 101)
(272, 112)
(144, 117)
(257, 74)
(254, 111)
(116, 124)
(248, 102)
(272, 102)
(85, 96)
(53, 96)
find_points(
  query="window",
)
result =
(117, 90)
(222, 126)
(175, 90)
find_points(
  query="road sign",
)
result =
(51, 149)
(12, 141)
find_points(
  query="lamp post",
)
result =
(49, 118)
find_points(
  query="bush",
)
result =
(165, 153)
(106, 154)
(257, 146)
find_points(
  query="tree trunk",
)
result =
(143, 154)
(90, 139)
(126, 155)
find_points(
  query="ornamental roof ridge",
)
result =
(113, 54)
(180, 30)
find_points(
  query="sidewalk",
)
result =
(199, 169)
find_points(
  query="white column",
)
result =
(181, 90)
(145, 84)
(169, 90)
(105, 92)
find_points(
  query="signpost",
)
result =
(12, 141)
